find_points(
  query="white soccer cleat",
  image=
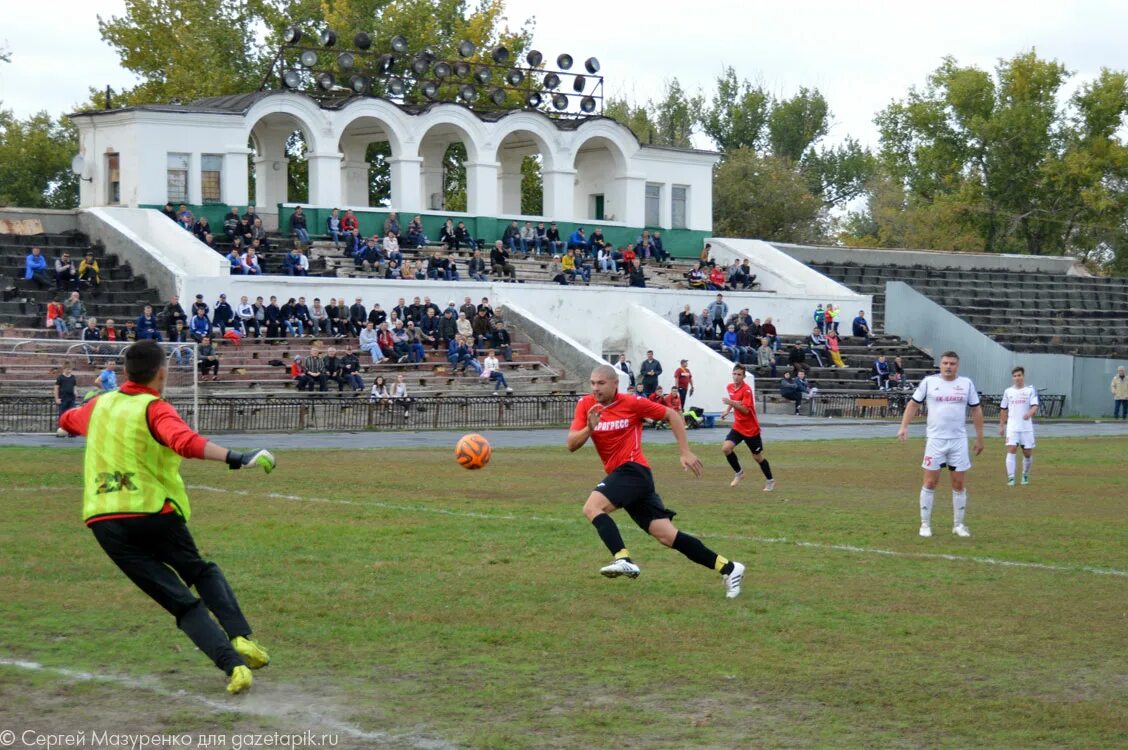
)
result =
(1026, 479)
(1010, 481)
(925, 530)
(621, 567)
(769, 485)
(732, 580)
(736, 478)
(961, 530)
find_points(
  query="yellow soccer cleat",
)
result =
(240, 681)
(252, 653)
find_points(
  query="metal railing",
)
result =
(884, 404)
(329, 413)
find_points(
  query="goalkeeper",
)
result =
(135, 502)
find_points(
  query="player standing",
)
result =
(613, 421)
(949, 397)
(136, 505)
(1016, 412)
(745, 428)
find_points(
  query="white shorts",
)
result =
(941, 452)
(1023, 438)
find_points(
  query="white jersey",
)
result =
(1017, 401)
(948, 402)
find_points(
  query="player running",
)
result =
(1016, 412)
(613, 421)
(137, 507)
(949, 397)
(745, 428)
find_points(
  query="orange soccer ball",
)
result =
(473, 451)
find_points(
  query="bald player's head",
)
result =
(604, 383)
(606, 371)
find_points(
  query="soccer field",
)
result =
(409, 603)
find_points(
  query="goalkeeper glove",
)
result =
(263, 458)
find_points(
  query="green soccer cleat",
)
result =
(240, 681)
(1026, 479)
(1010, 481)
(252, 653)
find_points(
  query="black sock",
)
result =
(609, 533)
(691, 547)
(734, 462)
(766, 468)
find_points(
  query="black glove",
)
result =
(263, 458)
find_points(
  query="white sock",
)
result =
(926, 498)
(1026, 464)
(1010, 465)
(959, 504)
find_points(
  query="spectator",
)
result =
(415, 236)
(292, 264)
(718, 313)
(246, 313)
(687, 321)
(333, 228)
(291, 320)
(319, 324)
(107, 378)
(392, 225)
(91, 334)
(765, 357)
(476, 268)
(491, 369)
(448, 326)
(683, 382)
(183, 354)
(462, 237)
(460, 354)
(391, 248)
(1120, 394)
(35, 269)
(399, 394)
(797, 358)
(301, 313)
(66, 274)
(298, 226)
(881, 373)
(415, 339)
(448, 236)
(861, 328)
(65, 385)
(313, 372)
(833, 349)
(628, 257)
(792, 390)
(296, 369)
(350, 228)
(816, 345)
(746, 344)
(542, 238)
(223, 316)
(380, 392)
(89, 273)
(623, 365)
(56, 317)
(556, 271)
(736, 275)
(429, 329)
(649, 372)
(897, 377)
(231, 223)
(511, 238)
(597, 241)
(572, 266)
(129, 335)
(376, 315)
(578, 241)
(696, 279)
(820, 318)
(185, 218)
(637, 276)
(552, 238)
(831, 316)
(258, 234)
(109, 333)
(272, 316)
(208, 359)
(76, 311)
(728, 344)
(169, 212)
(481, 329)
(499, 259)
(529, 239)
(369, 342)
(716, 279)
(200, 325)
(659, 251)
(202, 228)
(350, 371)
(250, 263)
(234, 261)
(769, 332)
(605, 260)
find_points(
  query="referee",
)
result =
(745, 428)
(135, 502)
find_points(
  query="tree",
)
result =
(764, 197)
(634, 116)
(796, 123)
(672, 123)
(838, 174)
(738, 115)
(532, 186)
(35, 157)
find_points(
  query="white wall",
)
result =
(693, 170)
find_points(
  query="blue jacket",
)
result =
(577, 239)
(146, 327)
(200, 326)
(729, 339)
(33, 263)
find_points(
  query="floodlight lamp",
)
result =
(500, 55)
(465, 48)
(325, 81)
(346, 60)
(497, 96)
(467, 93)
(359, 84)
(328, 38)
(533, 100)
(514, 77)
(385, 64)
(292, 79)
(308, 58)
(461, 69)
(420, 65)
(396, 86)
(399, 44)
(442, 69)
(591, 65)
(482, 75)
(560, 101)
(292, 35)
(362, 40)
(551, 81)
(587, 104)
(534, 58)
(578, 84)
(564, 62)
(429, 89)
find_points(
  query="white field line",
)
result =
(730, 537)
(253, 703)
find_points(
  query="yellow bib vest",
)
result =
(126, 469)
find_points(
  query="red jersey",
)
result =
(682, 376)
(745, 424)
(618, 436)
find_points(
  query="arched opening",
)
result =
(278, 170)
(600, 192)
(445, 150)
(520, 182)
(366, 173)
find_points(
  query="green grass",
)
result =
(466, 607)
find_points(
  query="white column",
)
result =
(559, 189)
(481, 188)
(325, 179)
(270, 182)
(509, 187)
(408, 184)
(431, 175)
(628, 201)
(234, 179)
(195, 190)
(354, 183)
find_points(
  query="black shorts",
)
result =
(631, 487)
(755, 444)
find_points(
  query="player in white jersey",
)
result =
(949, 396)
(1016, 412)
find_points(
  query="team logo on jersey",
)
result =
(114, 481)
(614, 424)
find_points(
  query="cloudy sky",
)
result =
(860, 54)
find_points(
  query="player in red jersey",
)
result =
(745, 428)
(613, 421)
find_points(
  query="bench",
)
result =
(709, 419)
